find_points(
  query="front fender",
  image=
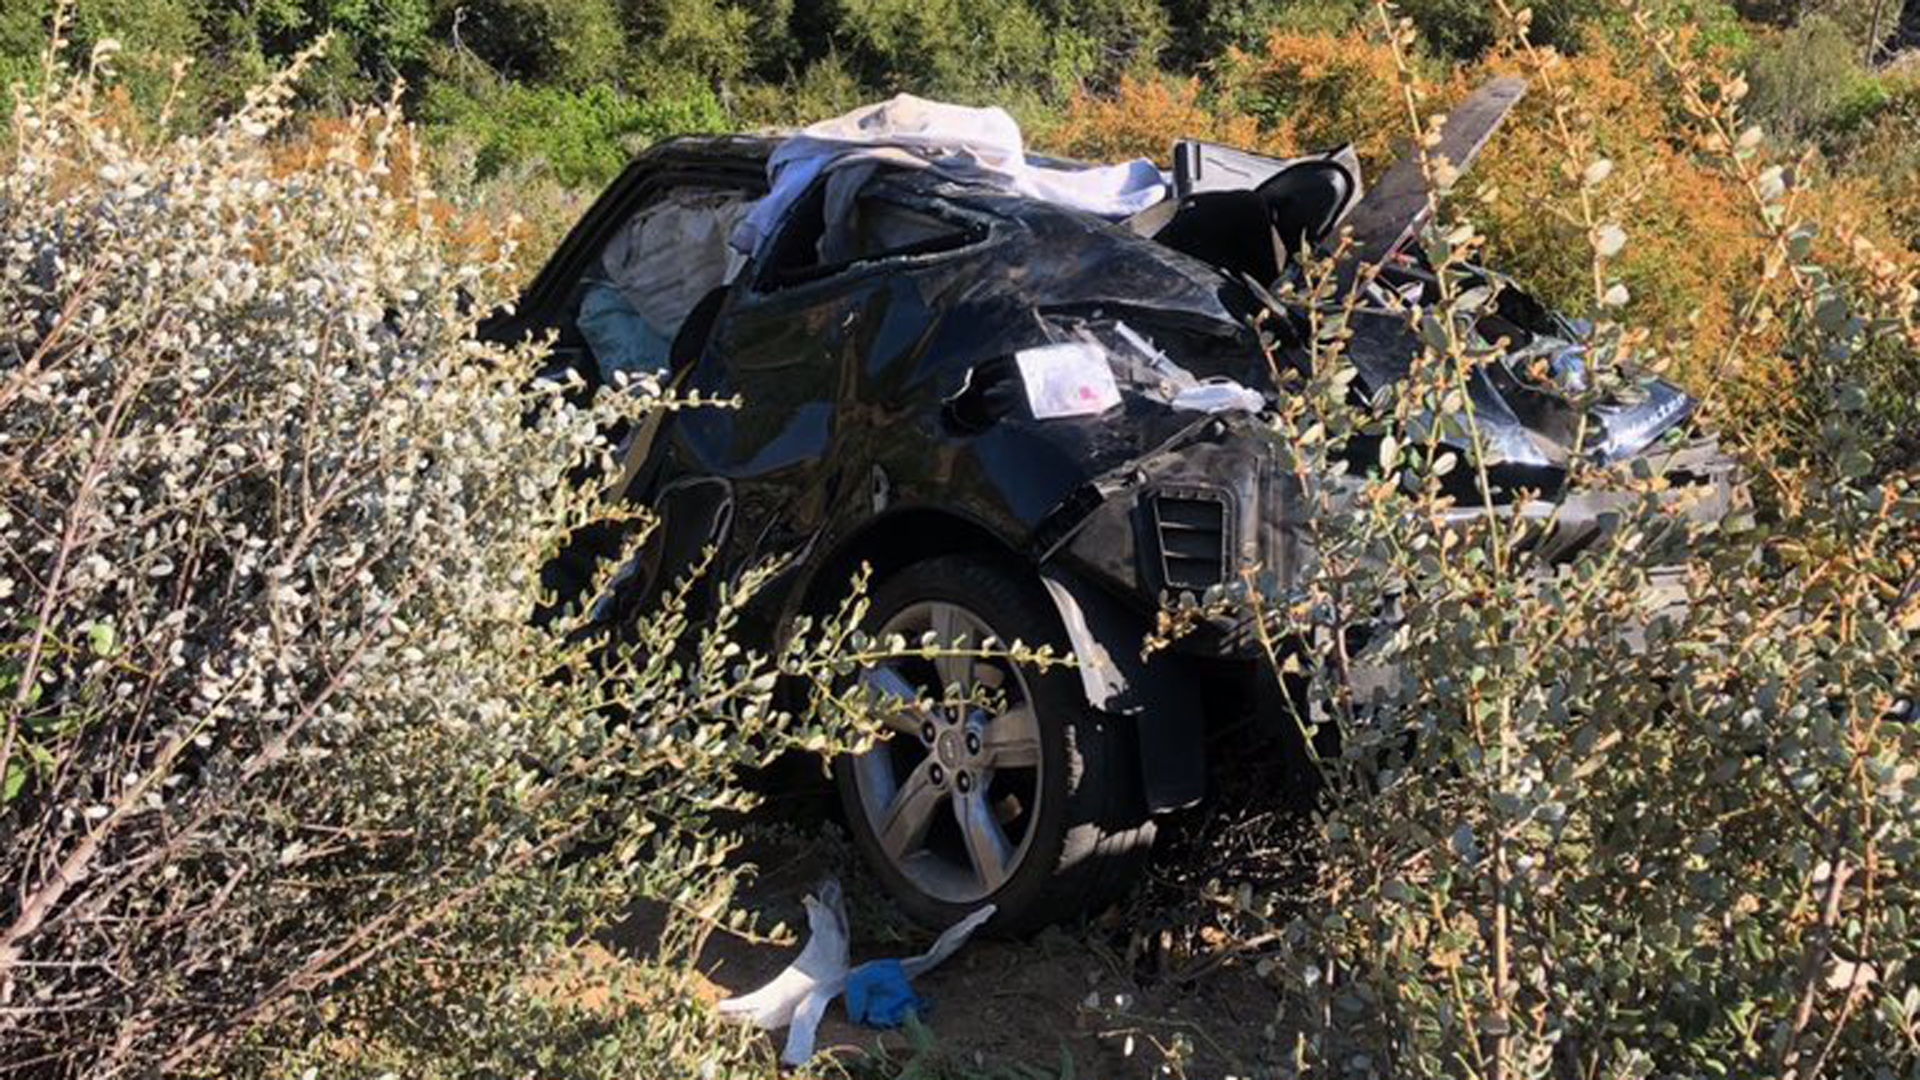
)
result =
(1158, 695)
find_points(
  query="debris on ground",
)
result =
(879, 995)
(879, 992)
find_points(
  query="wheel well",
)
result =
(1171, 756)
(896, 541)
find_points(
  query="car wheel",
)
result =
(1032, 805)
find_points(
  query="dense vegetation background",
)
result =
(577, 84)
(529, 106)
(290, 783)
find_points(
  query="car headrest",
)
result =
(1227, 229)
(1305, 201)
(1253, 232)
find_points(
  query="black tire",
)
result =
(1088, 840)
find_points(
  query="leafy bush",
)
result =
(148, 40)
(288, 782)
(205, 57)
(585, 137)
(1876, 165)
(572, 43)
(1107, 37)
(1464, 29)
(1682, 219)
(947, 47)
(1810, 80)
(289, 778)
(826, 88)
(1317, 91)
(1551, 852)
(706, 39)
(1210, 28)
(1300, 92)
(1142, 118)
(1582, 832)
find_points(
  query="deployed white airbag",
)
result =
(672, 253)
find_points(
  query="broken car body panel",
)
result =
(883, 410)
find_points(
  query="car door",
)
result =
(788, 345)
(728, 170)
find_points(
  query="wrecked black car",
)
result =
(1033, 422)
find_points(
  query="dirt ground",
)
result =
(1170, 982)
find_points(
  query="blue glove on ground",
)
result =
(878, 995)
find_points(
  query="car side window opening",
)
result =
(831, 228)
(654, 270)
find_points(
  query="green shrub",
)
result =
(1102, 39)
(227, 49)
(22, 39)
(1314, 92)
(1713, 24)
(282, 755)
(1810, 81)
(826, 88)
(585, 137)
(1209, 28)
(572, 43)
(1464, 29)
(707, 39)
(151, 38)
(1862, 103)
(290, 780)
(1581, 831)
(1552, 852)
(961, 48)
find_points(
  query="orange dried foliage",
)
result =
(1302, 92)
(1316, 91)
(1877, 214)
(111, 107)
(1693, 253)
(395, 154)
(1143, 118)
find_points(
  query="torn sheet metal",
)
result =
(798, 997)
(1386, 220)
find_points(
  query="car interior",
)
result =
(652, 276)
(665, 271)
(1254, 231)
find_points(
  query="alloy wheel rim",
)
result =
(953, 796)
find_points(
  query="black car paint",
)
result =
(865, 431)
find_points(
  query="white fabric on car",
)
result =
(970, 144)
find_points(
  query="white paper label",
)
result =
(1072, 379)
